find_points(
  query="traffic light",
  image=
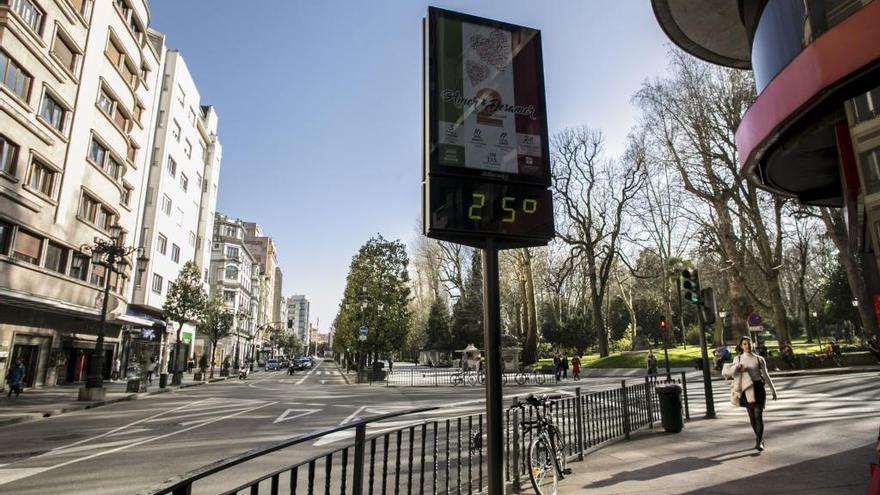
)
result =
(708, 306)
(691, 285)
(662, 323)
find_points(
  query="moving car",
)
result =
(272, 365)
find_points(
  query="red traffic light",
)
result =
(662, 322)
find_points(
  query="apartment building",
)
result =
(179, 203)
(77, 100)
(270, 308)
(298, 317)
(231, 274)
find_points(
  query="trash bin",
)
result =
(163, 380)
(670, 407)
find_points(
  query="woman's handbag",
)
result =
(734, 397)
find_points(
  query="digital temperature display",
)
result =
(486, 158)
(466, 207)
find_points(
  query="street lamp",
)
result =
(723, 315)
(112, 255)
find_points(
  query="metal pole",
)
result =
(494, 406)
(681, 314)
(707, 379)
(666, 352)
(96, 377)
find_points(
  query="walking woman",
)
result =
(750, 377)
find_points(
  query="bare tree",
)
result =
(592, 194)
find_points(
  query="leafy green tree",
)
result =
(570, 331)
(467, 314)
(216, 324)
(185, 302)
(377, 296)
(290, 344)
(838, 300)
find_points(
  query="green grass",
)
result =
(679, 357)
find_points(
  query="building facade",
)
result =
(232, 274)
(77, 100)
(179, 205)
(298, 317)
(813, 132)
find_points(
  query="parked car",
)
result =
(283, 363)
(272, 365)
(303, 364)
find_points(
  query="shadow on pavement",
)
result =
(678, 466)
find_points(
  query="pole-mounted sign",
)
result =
(487, 164)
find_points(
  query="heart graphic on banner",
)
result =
(493, 49)
(477, 73)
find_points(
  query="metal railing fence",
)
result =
(429, 455)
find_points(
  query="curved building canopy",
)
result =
(711, 30)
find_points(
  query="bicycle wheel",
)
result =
(539, 378)
(456, 380)
(470, 380)
(542, 469)
(560, 448)
(520, 378)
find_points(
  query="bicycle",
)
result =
(547, 448)
(524, 377)
(465, 377)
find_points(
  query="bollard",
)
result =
(360, 437)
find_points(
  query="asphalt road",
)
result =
(130, 447)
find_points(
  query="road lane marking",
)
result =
(5, 475)
(117, 430)
(352, 416)
(310, 372)
(302, 412)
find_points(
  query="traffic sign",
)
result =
(754, 322)
(362, 333)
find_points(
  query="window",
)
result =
(175, 253)
(65, 53)
(82, 6)
(179, 217)
(157, 283)
(172, 167)
(113, 167)
(120, 119)
(231, 252)
(184, 181)
(92, 211)
(125, 195)
(192, 239)
(175, 131)
(229, 296)
(29, 13)
(27, 247)
(161, 243)
(79, 266)
(42, 178)
(8, 155)
(198, 180)
(114, 53)
(105, 103)
(5, 237)
(14, 77)
(187, 148)
(166, 204)
(181, 96)
(98, 274)
(129, 74)
(867, 105)
(131, 153)
(52, 112)
(192, 116)
(56, 258)
(231, 273)
(870, 164)
(145, 72)
(138, 113)
(97, 152)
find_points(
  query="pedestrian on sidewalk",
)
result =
(652, 363)
(565, 366)
(15, 377)
(390, 365)
(750, 377)
(151, 370)
(557, 366)
(114, 371)
(576, 368)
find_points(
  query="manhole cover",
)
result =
(61, 438)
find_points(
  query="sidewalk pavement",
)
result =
(702, 460)
(38, 403)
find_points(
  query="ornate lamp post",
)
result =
(113, 256)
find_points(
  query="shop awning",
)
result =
(133, 320)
